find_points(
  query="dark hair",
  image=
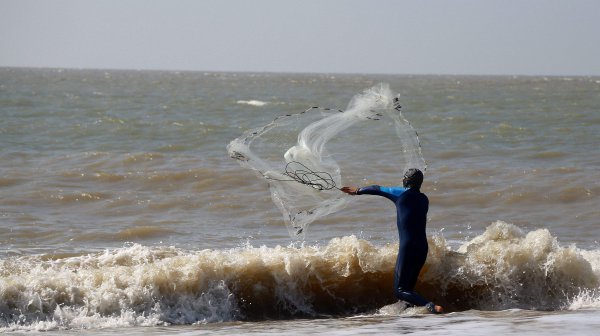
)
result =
(413, 178)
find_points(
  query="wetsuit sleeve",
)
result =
(390, 193)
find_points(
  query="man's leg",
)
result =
(408, 267)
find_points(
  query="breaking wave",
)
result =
(502, 268)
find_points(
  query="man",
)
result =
(411, 208)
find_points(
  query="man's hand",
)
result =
(349, 190)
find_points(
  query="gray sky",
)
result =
(529, 37)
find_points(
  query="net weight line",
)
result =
(259, 131)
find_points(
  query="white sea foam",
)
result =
(503, 268)
(507, 268)
(400, 309)
(252, 102)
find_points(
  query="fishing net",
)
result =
(308, 156)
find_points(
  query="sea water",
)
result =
(121, 211)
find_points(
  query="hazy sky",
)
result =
(370, 36)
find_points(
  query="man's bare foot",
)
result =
(433, 308)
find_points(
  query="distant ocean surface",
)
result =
(121, 211)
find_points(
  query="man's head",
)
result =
(413, 178)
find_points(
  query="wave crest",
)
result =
(136, 285)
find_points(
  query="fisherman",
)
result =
(411, 206)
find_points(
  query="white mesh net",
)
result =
(306, 157)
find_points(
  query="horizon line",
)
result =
(291, 72)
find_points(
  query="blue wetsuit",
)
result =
(411, 207)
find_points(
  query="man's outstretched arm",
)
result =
(390, 193)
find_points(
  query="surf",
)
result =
(502, 268)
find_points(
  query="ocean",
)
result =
(122, 212)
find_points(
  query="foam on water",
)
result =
(136, 285)
(506, 268)
(252, 102)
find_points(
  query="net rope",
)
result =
(318, 180)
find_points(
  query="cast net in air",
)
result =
(306, 157)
